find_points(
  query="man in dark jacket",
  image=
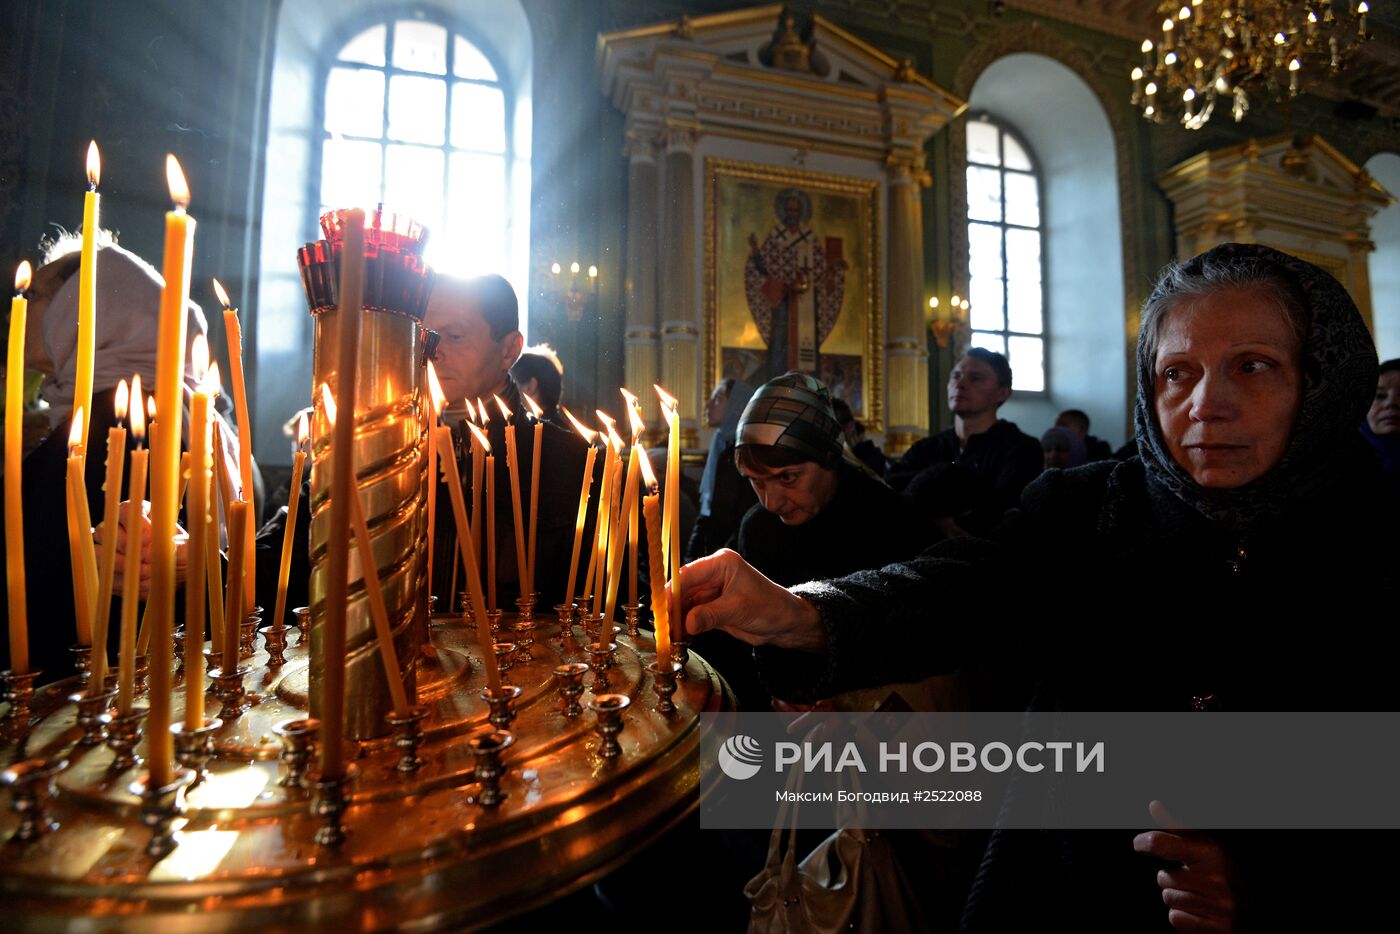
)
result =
(967, 476)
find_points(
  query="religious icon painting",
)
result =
(792, 279)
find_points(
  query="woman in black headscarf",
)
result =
(1252, 486)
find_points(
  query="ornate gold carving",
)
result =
(787, 49)
(874, 313)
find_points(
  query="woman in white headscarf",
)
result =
(128, 312)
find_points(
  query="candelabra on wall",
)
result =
(944, 320)
(577, 293)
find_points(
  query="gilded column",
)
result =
(679, 311)
(642, 360)
(906, 348)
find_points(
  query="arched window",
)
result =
(416, 117)
(1005, 250)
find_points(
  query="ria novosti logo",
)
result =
(740, 757)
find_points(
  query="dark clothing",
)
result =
(269, 564)
(1113, 525)
(871, 456)
(973, 484)
(862, 527)
(732, 499)
(1097, 449)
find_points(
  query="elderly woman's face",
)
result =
(1228, 386)
(1384, 417)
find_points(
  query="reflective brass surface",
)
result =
(420, 851)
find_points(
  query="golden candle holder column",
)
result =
(229, 688)
(195, 747)
(298, 738)
(609, 709)
(19, 692)
(142, 668)
(663, 681)
(161, 807)
(569, 678)
(123, 733)
(94, 713)
(565, 613)
(525, 606)
(524, 640)
(179, 642)
(303, 617)
(501, 703)
(275, 641)
(247, 633)
(82, 662)
(330, 801)
(592, 625)
(680, 652)
(408, 736)
(31, 788)
(505, 656)
(600, 659)
(487, 749)
(630, 611)
(493, 618)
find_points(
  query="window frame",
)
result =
(328, 58)
(1036, 172)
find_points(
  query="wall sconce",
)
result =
(947, 319)
(576, 296)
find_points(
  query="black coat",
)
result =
(732, 500)
(1196, 610)
(975, 484)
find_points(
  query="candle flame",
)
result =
(471, 411)
(94, 165)
(584, 432)
(634, 415)
(199, 357)
(303, 429)
(138, 411)
(481, 437)
(151, 408)
(212, 383)
(175, 178)
(500, 403)
(668, 400)
(24, 273)
(535, 411)
(328, 403)
(606, 419)
(434, 390)
(482, 415)
(75, 434)
(122, 400)
(220, 294)
(615, 439)
(648, 475)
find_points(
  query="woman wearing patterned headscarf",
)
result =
(819, 513)
(1252, 492)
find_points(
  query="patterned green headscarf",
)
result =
(793, 411)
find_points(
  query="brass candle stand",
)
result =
(123, 733)
(93, 715)
(19, 692)
(630, 611)
(464, 821)
(275, 641)
(82, 662)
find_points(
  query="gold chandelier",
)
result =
(1241, 50)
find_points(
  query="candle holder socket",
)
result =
(93, 715)
(303, 617)
(82, 662)
(161, 806)
(408, 736)
(298, 738)
(501, 703)
(664, 683)
(141, 667)
(592, 625)
(569, 679)
(525, 607)
(505, 655)
(229, 688)
(194, 748)
(275, 641)
(123, 733)
(600, 659)
(213, 661)
(629, 611)
(609, 709)
(680, 652)
(330, 800)
(487, 749)
(178, 640)
(566, 612)
(247, 634)
(493, 618)
(524, 639)
(19, 692)
(31, 788)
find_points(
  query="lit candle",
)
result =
(107, 567)
(131, 572)
(233, 333)
(165, 465)
(79, 532)
(634, 413)
(490, 469)
(513, 468)
(619, 535)
(432, 483)
(600, 531)
(588, 437)
(14, 490)
(369, 573)
(87, 291)
(536, 413)
(233, 584)
(651, 508)
(670, 406)
(197, 517)
(482, 478)
(342, 487)
(218, 500)
(289, 534)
